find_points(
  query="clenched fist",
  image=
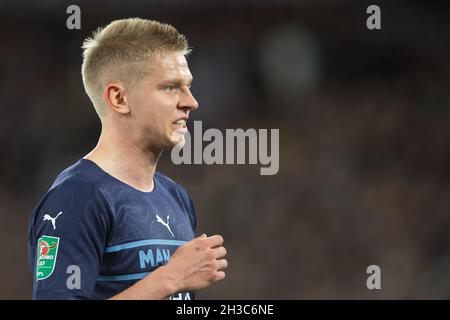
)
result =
(198, 263)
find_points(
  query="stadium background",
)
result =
(364, 138)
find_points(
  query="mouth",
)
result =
(181, 122)
(179, 126)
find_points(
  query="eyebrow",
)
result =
(176, 81)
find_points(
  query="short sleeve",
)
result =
(67, 236)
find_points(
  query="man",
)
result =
(111, 226)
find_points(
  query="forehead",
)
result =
(169, 66)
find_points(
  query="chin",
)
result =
(180, 141)
(174, 140)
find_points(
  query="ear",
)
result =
(115, 98)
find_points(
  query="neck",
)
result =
(125, 159)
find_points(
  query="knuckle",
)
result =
(211, 276)
(200, 247)
(209, 254)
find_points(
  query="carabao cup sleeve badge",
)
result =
(47, 251)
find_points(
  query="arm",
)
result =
(68, 228)
(194, 266)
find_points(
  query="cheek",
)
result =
(163, 109)
(157, 119)
(146, 108)
(155, 111)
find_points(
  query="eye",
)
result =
(170, 88)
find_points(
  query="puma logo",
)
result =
(166, 224)
(53, 220)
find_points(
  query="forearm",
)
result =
(156, 286)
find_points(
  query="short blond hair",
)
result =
(119, 50)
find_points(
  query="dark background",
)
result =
(364, 138)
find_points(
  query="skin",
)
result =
(136, 127)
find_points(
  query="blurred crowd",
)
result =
(364, 141)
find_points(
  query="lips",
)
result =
(181, 121)
(179, 125)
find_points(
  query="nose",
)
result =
(187, 100)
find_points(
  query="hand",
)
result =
(197, 264)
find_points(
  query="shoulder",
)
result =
(170, 184)
(77, 188)
(77, 197)
(82, 173)
(180, 194)
(82, 178)
(175, 189)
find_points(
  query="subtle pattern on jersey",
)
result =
(102, 212)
